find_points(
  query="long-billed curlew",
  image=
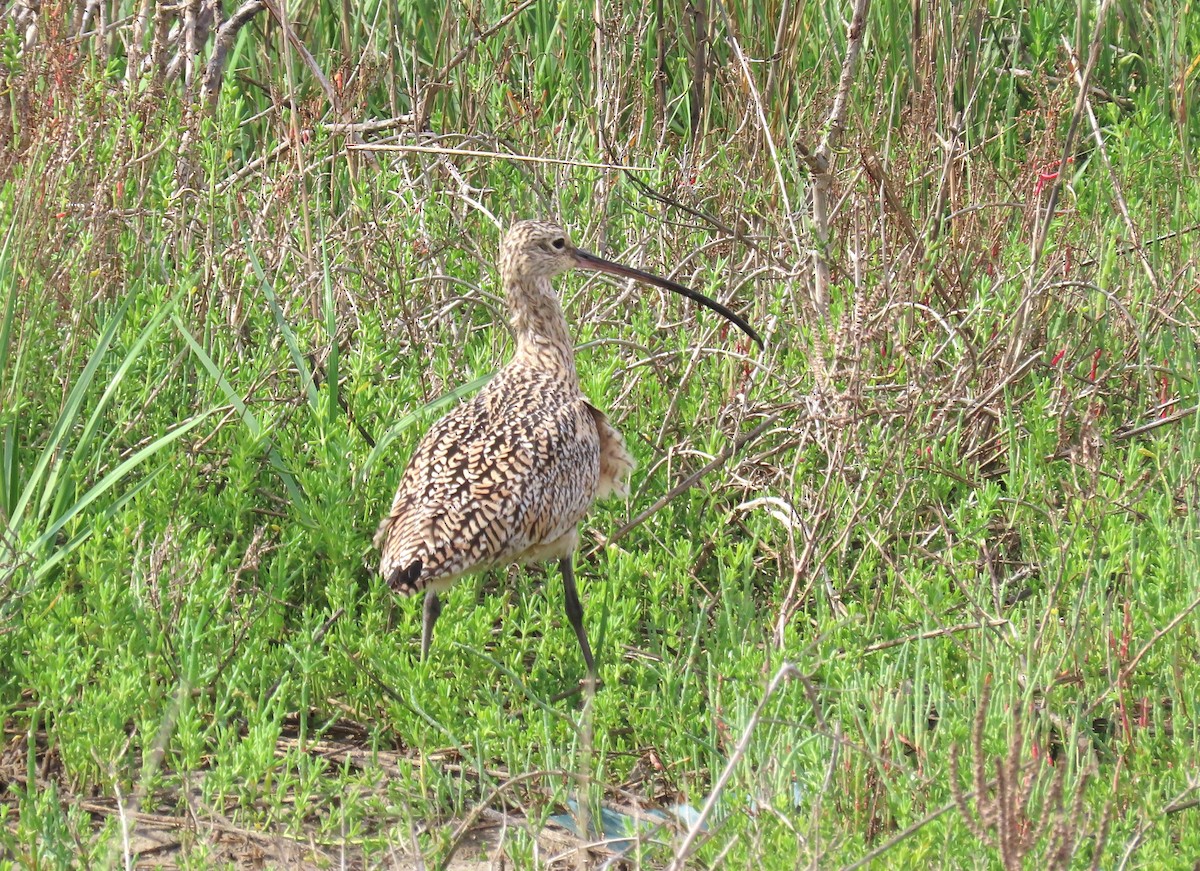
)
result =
(507, 476)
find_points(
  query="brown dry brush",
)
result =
(186, 42)
(77, 140)
(71, 144)
(1006, 817)
(923, 263)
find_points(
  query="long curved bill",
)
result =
(587, 260)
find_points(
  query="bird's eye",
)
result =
(559, 244)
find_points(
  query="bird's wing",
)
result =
(497, 475)
(616, 462)
(567, 477)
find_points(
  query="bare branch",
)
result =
(820, 161)
(214, 72)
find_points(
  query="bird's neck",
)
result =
(543, 340)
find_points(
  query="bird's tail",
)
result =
(403, 579)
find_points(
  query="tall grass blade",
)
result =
(8, 278)
(131, 356)
(8, 470)
(55, 493)
(299, 502)
(114, 477)
(307, 384)
(51, 461)
(332, 362)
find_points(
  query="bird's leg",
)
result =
(430, 613)
(575, 612)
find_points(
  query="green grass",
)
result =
(211, 381)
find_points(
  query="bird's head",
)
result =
(533, 252)
(536, 249)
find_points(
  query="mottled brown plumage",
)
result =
(507, 476)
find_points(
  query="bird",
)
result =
(506, 476)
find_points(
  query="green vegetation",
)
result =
(936, 605)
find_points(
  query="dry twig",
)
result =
(820, 160)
